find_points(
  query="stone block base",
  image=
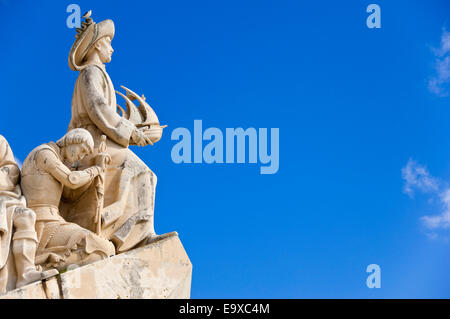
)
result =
(159, 270)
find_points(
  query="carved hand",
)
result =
(102, 160)
(139, 138)
(154, 133)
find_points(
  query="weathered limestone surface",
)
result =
(76, 202)
(31, 291)
(158, 270)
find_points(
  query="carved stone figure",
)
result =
(88, 197)
(18, 238)
(44, 174)
(129, 195)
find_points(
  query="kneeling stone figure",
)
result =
(44, 175)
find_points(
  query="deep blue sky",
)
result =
(352, 105)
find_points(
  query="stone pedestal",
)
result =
(158, 270)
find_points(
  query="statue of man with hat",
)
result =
(129, 185)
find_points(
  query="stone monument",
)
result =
(77, 220)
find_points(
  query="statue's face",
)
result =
(75, 152)
(104, 49)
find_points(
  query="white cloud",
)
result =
(440, 82)
(443, 219)
(445, 44)
(417, 177)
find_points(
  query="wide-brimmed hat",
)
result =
(86, 36)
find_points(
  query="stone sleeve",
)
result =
(48, 162)
(103, 115)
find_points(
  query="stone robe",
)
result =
(10, 198)
(129, 183)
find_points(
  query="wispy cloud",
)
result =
(441, 220)
(418, 179)
(439, 84)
